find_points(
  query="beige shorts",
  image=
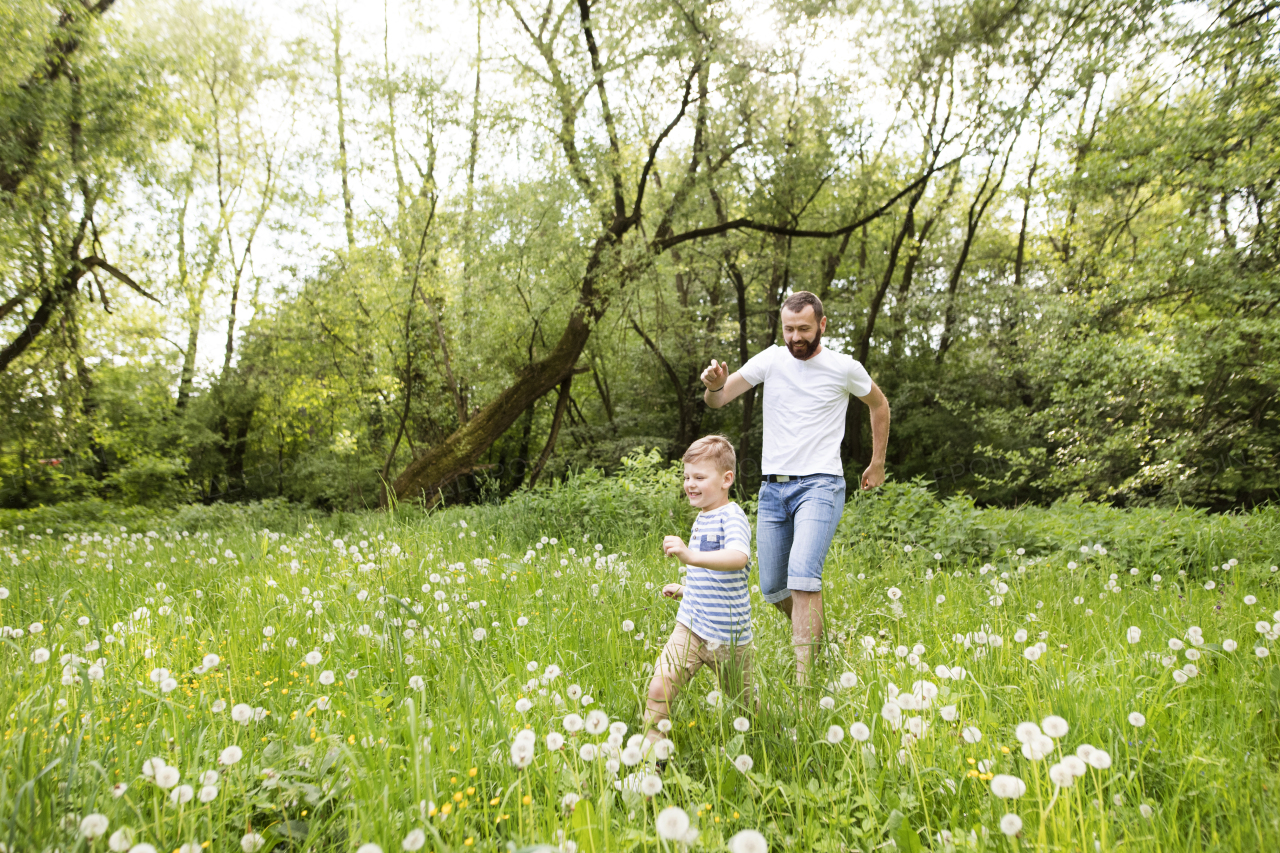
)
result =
(686, 653)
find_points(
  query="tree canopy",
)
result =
(355, 255)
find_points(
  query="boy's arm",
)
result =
(727, 560)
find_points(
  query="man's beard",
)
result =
(803, 349)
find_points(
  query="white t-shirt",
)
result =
(804, 408)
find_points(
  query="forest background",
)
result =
(353, 253)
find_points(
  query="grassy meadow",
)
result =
(257, 678)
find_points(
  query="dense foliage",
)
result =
(390, 260)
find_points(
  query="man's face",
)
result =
(801, 332)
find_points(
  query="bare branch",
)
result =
(120, 275)
(744, 224)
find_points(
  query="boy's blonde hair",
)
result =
(717, 448)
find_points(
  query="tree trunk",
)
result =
(891, 265)
(348, 217)
(562, 403)
(681, 391)
(1019, 259)
(426, 476)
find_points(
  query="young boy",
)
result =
(713, 625)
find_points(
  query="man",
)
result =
(806, 395)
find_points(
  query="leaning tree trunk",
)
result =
(425, 477)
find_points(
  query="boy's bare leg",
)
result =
(805, 611)
(662, 692)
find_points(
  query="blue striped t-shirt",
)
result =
(717, 605)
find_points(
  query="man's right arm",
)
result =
(722, 388)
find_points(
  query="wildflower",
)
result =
(1054, 726)
(1134, 634)
(949, 713)
(1026, 732)
(326, 677)
(478, 635)
(521, 753)
(40, 655)
(588, 752)
(827, 703)
(1099, 759)
(859, 732)
(218, 706)
(94, 826)
(242, 713)
(121, 840)
(1250, 600)
(208, 794)
(835, 734)
(1007, 787)
(597, 722)
(555, 740)
(1146, 811)
(231, 755)
(167, 777)
(118, 789)
(664, 726)
(168, 685)
(313, 658)
(848, 680)
(672, 822)
(252, 842)
(1060, 774)
(322, 702)
(414, 840)
(628, 626)
(744, 763)
(182, 794)
(748, 841)
(1137, 720)
(714, 699)
(523, 705)
(894, 593)
(971, 734)
(1011, 824)
(1031, 653)
(416, 683)
(572, 723)
(1228, 645)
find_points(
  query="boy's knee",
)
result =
(662, 689)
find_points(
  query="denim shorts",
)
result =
(795, 523)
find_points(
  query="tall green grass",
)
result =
(385, 756)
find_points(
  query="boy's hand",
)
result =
(673, 546)
(673, 590)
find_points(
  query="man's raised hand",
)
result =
(715, 376)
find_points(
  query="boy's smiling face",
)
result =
(705, 485)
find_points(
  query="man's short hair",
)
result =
(716, 448)
(797, 301)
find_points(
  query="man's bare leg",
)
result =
(804, 610)
(806, 631)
